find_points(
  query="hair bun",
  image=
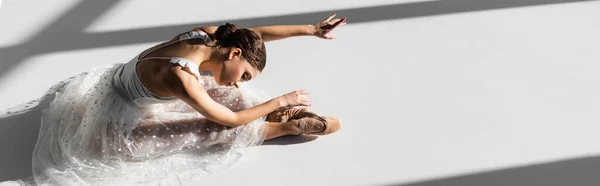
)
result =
(224, 31)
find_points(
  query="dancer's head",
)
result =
(243, 53)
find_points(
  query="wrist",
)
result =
(311, 30)
(279, 101)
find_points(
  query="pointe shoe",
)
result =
(287, 113)
(317, 125)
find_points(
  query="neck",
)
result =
(211, 60)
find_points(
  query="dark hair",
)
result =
(253, 47)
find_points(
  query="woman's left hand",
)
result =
(324, 28)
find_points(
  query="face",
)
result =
(235, 70)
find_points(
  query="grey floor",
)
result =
(430, 93)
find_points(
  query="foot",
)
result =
(287, 113)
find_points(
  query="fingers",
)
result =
(328, 18)
(305, 104)
(335, 20)
(335, 23)
(300, 97)
(302, 92)
(305, 99)
(328, 36)
(330, 26)
(343, 20)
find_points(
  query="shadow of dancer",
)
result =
(19, 128)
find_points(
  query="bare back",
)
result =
(155, 74)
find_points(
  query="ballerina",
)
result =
(174, 112)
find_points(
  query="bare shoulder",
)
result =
(182, 83)
(209, 30)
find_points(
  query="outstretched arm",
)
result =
(276, 32)
(321, 29)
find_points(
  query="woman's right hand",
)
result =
(295, 98)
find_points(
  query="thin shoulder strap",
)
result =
(164, 45)
(189, 35)
(144, 59)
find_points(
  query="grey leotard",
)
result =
(127, 82)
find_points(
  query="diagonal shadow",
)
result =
(66, 33)
(58, 35)
(572, 172)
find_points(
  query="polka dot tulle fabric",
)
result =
(90, 135)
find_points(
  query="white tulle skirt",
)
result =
(90, 135)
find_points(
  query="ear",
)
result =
(235, 53)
